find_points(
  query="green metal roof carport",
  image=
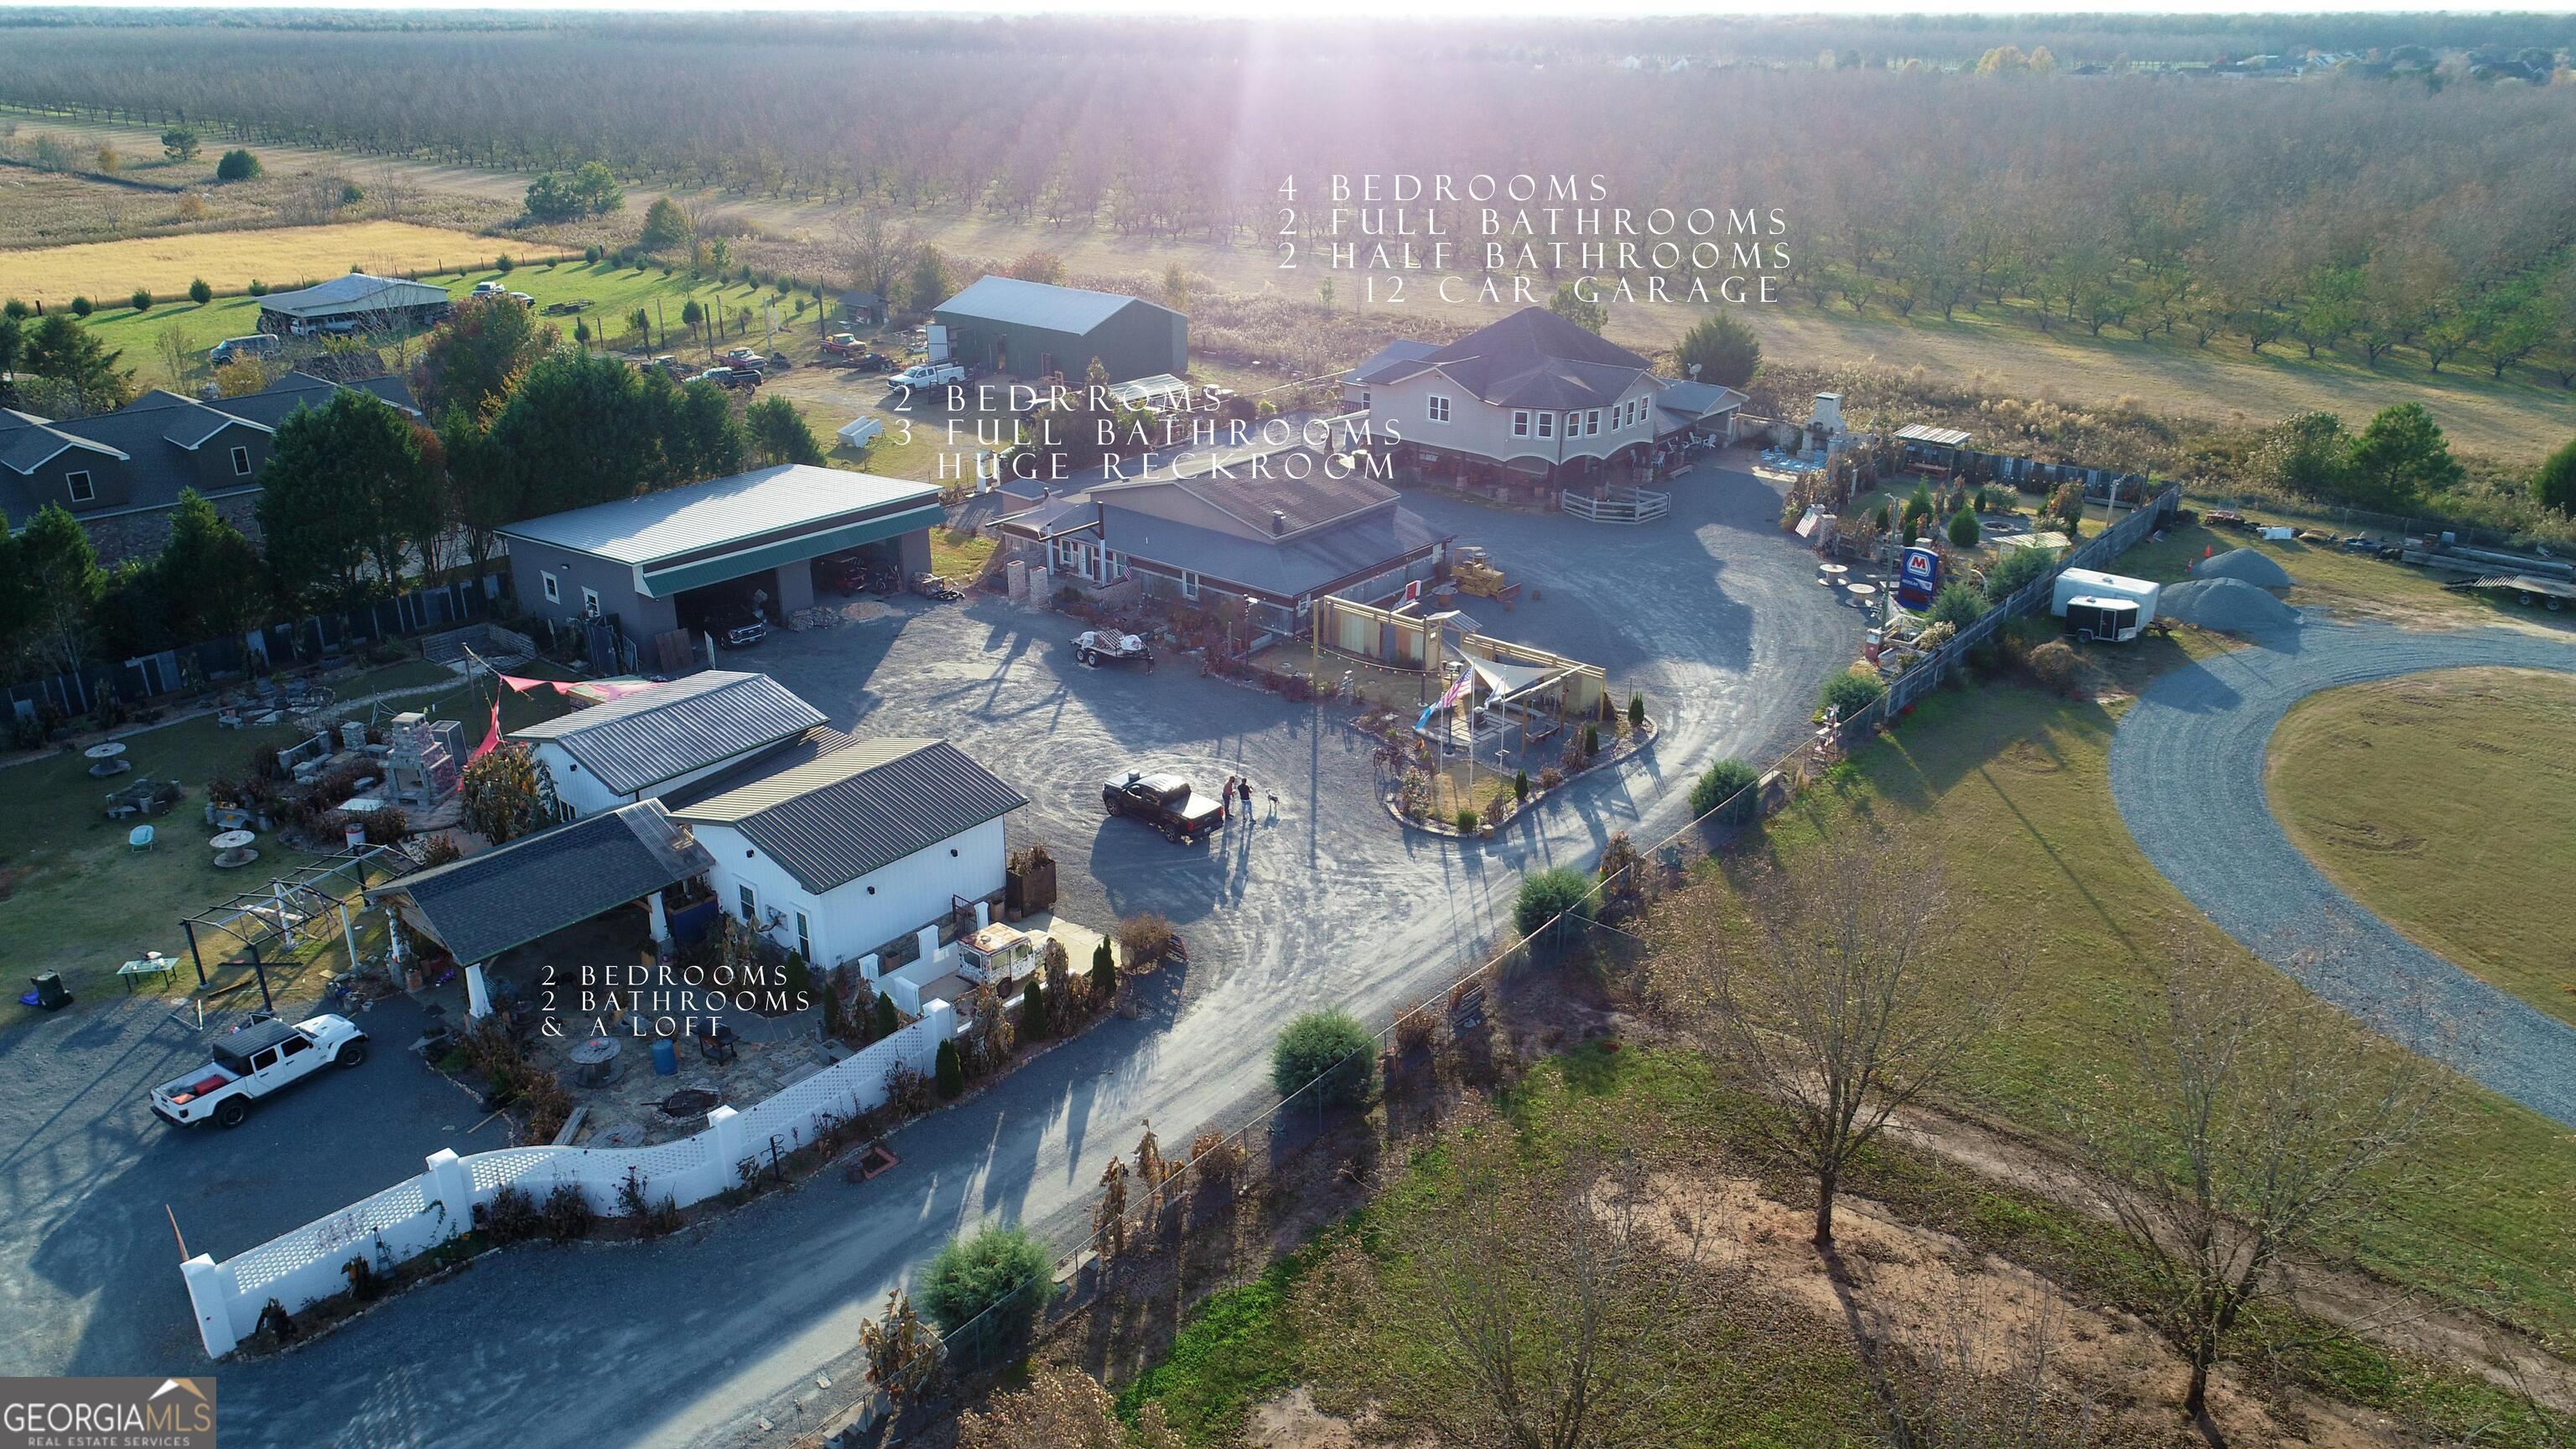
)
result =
(705, 533)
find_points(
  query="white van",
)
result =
(258, 344)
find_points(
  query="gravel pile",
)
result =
(2250, 565)
(2229, 604)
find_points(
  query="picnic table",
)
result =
(153, 963)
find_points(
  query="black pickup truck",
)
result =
(1165, 802)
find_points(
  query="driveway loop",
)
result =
(2187, 771)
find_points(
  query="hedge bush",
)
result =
(1546, 894)
(1958, 605)
(2019, 567)
(1853, 690)
(1329, 1047)
(1718, 784)
(1004, 1269)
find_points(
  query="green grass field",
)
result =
(74, 898)
(2446, 802)
(2016, 783)
(613, 292)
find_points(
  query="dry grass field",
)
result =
(108, 272)
(2446, 802)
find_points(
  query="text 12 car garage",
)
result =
(699, 557)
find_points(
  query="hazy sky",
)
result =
(1378, 10)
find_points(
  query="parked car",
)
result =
(927, 374)
(743, 357)
(251, 1063)
(842, 573)
(730, 377)
(1098, 646)
(736, 623)
(844, 350)
(524, 300)
(489, 289)
(258, 344)
(1165, 802)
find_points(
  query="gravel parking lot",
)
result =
(1714, 614)
(2187, 770)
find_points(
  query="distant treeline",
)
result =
(2073, 38)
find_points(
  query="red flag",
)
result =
(491, 741)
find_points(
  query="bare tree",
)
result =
(874, 250)
(2258, 1122)
(1551, 1296)
(172, 347)
(1843, 1003)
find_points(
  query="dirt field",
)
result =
(2446, 802)
(106, 272)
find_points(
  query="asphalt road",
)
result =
(1714, 614)
(2187, 770)
(90, 1180)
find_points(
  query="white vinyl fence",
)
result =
(410, 1218)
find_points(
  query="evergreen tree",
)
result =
(1104, 974)
(1033, 1012)
(63, 583)
(950, 1071)
(213, 579)
(889, 1021)
(1725, 351)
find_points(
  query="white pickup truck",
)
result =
(255, 1061)
(927, 374)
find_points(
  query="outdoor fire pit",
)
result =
(687, 1102)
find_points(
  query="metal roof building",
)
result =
(1031, 329)
(356, 301)
(643, 742)
(632, 561)
(857, 805)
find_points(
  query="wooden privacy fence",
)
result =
(260, 651)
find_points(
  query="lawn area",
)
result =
(1753, 1375)
(959, 557)
(612, 291)
(2446, 802)
(75, 899)
(2016, 782)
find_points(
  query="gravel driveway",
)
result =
(1715, 614)
(2187, 770)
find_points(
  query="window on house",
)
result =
(1364, 398)
(750, 906)
(82, 489)
(554, 590)
(1189, 586)
(1547, 425)
(241, 462)
(1592, 422)
(804, 938)
(590, 601)
(1436, 407)
(1520, 424)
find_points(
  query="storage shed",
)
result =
(1030, 329)
(354, 303)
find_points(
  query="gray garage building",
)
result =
(1031, 330)
(664, 562)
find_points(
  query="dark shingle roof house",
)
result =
(137, 459)
(510, 895)
(1273, 521)
(1531, 359)
(640, 741)
(850, 806)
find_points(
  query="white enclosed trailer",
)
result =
(2090, 592)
